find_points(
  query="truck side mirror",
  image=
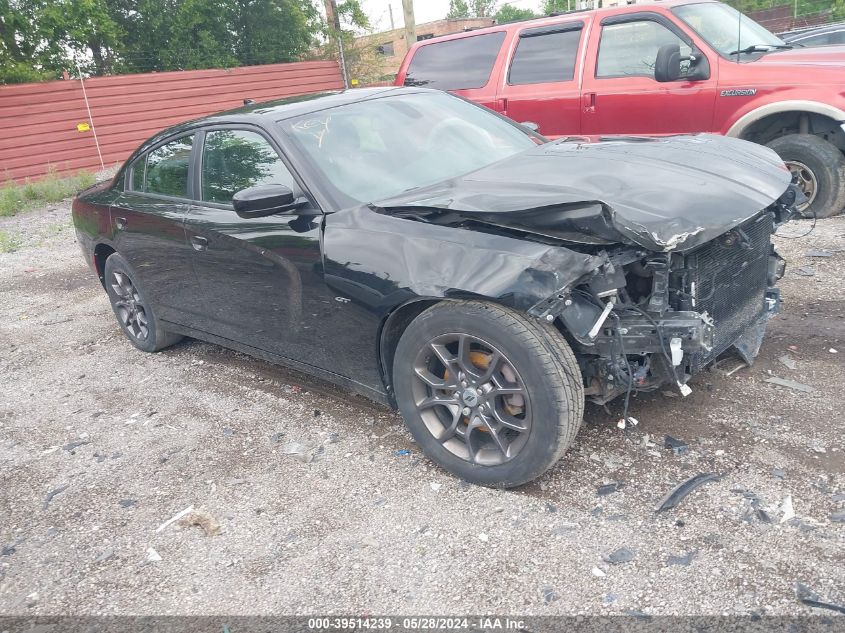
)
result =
(667, 66)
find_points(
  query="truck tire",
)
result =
(489, 394)
(818, 168)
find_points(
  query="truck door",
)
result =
(620, 94)
(542, 80)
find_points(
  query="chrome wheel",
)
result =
(471, 399)
(804, 178)
(128, 306)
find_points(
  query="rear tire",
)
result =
(130, 306)
(813, 160)
(496, 440)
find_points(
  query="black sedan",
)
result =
(439, 258)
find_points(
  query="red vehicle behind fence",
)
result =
(666, 68)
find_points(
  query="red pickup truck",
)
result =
(671, 67)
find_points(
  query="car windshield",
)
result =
(372, 150)
(727, 30)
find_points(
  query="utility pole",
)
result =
(390, 9)
(333, 20)
(410, 25)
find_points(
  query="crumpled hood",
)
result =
(670, 193)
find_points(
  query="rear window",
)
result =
(544, 56)
(455, 64)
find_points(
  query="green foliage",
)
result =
(9, 242)
(557, 6)
(41, 38)
(15, 198)
(458, 9)
(509, 13)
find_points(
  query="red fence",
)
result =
(38, 122)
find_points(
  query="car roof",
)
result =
(269, 112)
(831, 28)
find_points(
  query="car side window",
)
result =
(544, 57)
(630, 49)
(236, 159)
(167, 169)
(458, 64)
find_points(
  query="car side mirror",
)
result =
(531, 126)
(263, 200)
(667, 65)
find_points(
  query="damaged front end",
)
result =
(645, 319)
(680, 269)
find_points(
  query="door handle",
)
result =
(589, 102)
(199, 243)
(120, 223)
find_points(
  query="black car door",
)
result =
(148, 219)
(261, 278)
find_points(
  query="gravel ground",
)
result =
(101, 444)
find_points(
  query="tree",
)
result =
(556, 6)
(509, 13)
(458, 9)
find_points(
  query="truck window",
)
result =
(455, 64)
(630, 49)
(545, 57)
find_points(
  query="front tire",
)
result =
(492, 396)
(818, 168)
(130, 306)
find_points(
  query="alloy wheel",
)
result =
(804, 178)
(129, 307)
(472, 399)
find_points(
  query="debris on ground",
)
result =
(53, 493)
(679, 492)
(789, 384)
(778, 473)
(833, 350)
(609, 489)
(684, 559)
(787, 509)
(622, 555)
(838, 517)
(104, 556)
(549, 595)
(305, 453)
(787, 361)
(819, 253)
(623, 422)
(201, 518)
(127, 503)
(152, 555)
(402, 452)
(435, 486)
(679, 447)
(71, 446)
(812, 599)
(598, 573)
(805, 271)
(174, 518)
(483, 537)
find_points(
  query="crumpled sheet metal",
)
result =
(664, 194)
(383, 261)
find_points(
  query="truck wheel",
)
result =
(818, 169)
(490, 395)
(134, 313)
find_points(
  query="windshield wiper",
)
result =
(761, 48)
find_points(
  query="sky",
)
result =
(424, 11)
